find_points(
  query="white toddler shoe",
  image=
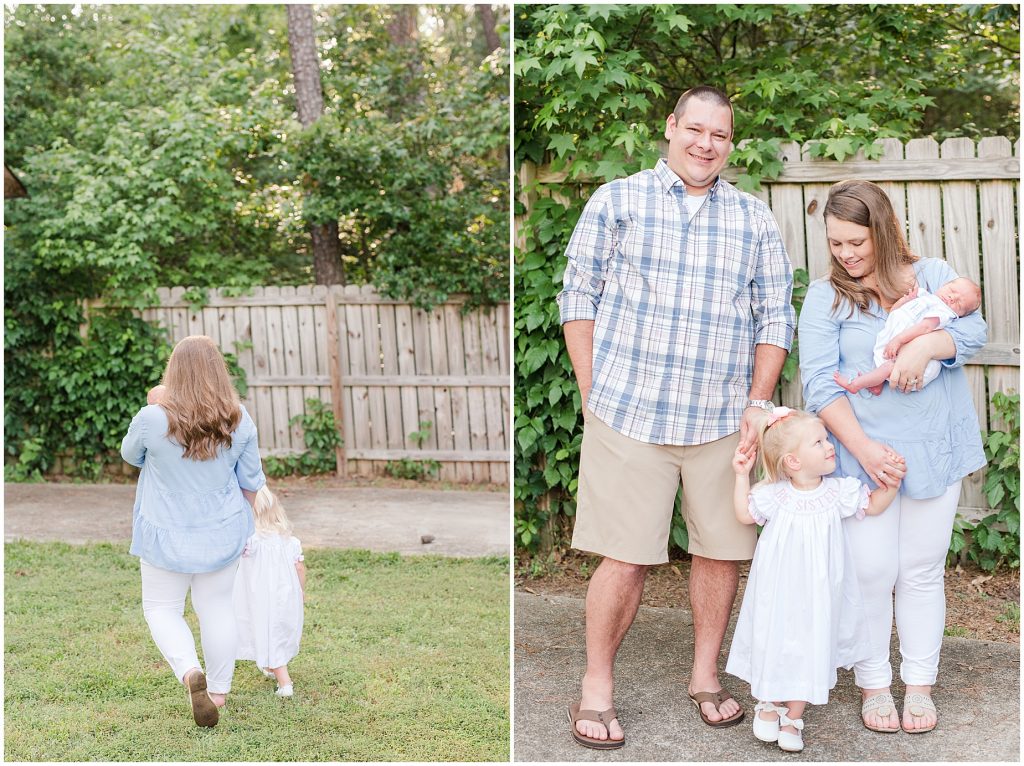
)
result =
(767, 731)
(791, 743)
(284, 691)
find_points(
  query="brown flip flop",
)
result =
(716, 699)
(204, 711)
(603, 717)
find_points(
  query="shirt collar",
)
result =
(669, 179)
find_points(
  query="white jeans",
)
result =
(904, 548)
(163, 604)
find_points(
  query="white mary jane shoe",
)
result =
(791, 743)
(767, 731)
(284, 691)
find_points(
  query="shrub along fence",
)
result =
(403, 383)
(959, 202)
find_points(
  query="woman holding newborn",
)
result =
(934, 429)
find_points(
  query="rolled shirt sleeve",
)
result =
(772, 289)
(133, 448)
(590, 248)
(819, 348)
(249, 468)
(970, 332)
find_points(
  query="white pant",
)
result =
(163, 604)
(905, 547)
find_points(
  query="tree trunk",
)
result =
(403, 29)
(309, 100)
(486, 16)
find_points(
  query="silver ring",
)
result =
(880, 474)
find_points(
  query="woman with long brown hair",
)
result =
(197, 448)
(900, 555)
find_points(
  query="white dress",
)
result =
(925, 305)
(802, 616)
(268, 600)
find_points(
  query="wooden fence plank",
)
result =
(475, 394)
(375, 395)
(442, 395)
(261, 395)
(960, 216)
(999, 267)
(359, 434)
(406, 360)
(336, 349)
(292, 350)
(424, 365)
(459, 394)
(924, 204)
(395, 438)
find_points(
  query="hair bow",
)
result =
(777, 414)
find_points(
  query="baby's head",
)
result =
(269, 514)
(961, 295)
(792, 441)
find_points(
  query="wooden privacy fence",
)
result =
(959, 202)
(403, 383)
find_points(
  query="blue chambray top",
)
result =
(190, 515)
(936, 428)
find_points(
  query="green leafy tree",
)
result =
(160, 145)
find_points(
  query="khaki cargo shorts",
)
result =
(627, 492)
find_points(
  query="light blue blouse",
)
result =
(936, 428)
(190, 515)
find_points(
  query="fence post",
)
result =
(334, 364)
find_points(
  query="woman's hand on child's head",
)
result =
(742, 463)
(156, 394)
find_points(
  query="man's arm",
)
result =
(768, 361)
(579, 341)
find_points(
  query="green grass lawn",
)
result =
(402, 659)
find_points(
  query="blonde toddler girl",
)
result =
(801, 615)
(269, 591)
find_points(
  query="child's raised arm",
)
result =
(742, 464)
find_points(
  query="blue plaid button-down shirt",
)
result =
(678, 304)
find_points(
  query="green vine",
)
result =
(995, 540)
(321, 435)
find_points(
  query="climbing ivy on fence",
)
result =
(995, 539)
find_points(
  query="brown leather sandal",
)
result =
(603, 717)
(204, 711)
(716, 699)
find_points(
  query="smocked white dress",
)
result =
(802, 615)
(268, 600)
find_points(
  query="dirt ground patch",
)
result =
(978, 605)
(319, 481)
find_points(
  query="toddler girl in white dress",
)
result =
(801, 616)
(269, 591)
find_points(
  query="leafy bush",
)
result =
(417, 470)
(320, 432)
(158, 149)
(76, 400)
(995, 539)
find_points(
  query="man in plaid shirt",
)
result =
(677, 317)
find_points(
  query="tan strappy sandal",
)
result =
(917, 704)
(884, 705)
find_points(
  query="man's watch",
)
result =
(765, 404)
